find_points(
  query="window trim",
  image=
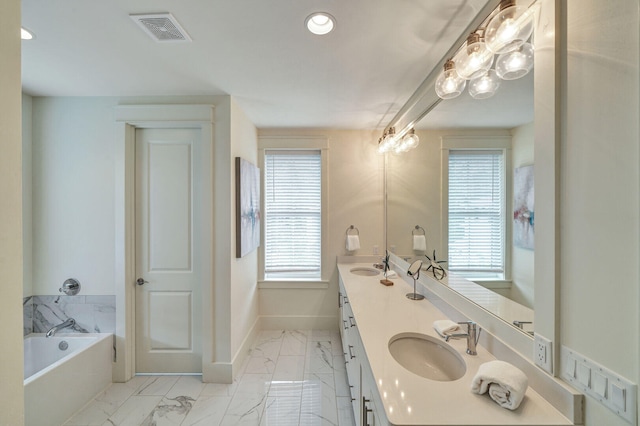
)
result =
(480, 143)
(297, 143)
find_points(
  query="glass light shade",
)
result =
(449, 84)
(411, 140)
(485, 86)
(509, 29)
(473, 60)
(320, 23)
(516, 64)
(401, 148)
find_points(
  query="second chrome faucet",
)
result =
(472, 335)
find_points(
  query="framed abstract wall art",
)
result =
(523, 208)
(247, 207)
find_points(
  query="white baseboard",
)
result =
(298, 322)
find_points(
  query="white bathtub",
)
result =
(57, 383)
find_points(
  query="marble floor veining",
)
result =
(289, 378)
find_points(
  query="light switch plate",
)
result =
(610, 389)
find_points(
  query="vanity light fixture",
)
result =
(515, 64)
(510, 28)
(504, 33)
(449, 84)
(388, 142)
(320, 23)
(408, 142)
(25, 34)
(392, 142)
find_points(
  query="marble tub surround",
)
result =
(27, 316)
(289, 378)
(380, 313)
(93, 314)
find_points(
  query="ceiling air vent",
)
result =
(161, 27)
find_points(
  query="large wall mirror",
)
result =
(417, 182)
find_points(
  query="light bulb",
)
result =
(474, 59)
(449, 84)
(516, 64)
(411, 140)
(485, 86)
(509, 29)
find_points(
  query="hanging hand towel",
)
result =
(419, 243)
(353, 242)
(445, 327)
(505, 383)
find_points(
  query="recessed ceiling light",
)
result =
(320, 23)
(25, 34)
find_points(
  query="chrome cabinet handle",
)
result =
(340, 296)
(351, 321)
(346, 327)
(141, 281)
(351, 352)
(365, 411)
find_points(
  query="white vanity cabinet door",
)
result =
(372, 409)
(352, 353)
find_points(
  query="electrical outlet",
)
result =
(375, 249)
(542, 353)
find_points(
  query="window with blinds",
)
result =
(477, 213)
(293, 190)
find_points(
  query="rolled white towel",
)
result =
(419, 243)
(505, 383)
(445, 327)
(353, 242)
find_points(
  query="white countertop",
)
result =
(381, 312)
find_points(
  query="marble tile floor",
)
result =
(289, 378)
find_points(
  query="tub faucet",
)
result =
(472, 336)
(68, 323)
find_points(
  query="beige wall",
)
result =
(11, 363)
(355, 173)
(600, 192)
(244, 271)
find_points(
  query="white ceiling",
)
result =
(259, 52)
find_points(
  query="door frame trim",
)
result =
(128, 118)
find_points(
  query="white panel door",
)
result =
(168, 305)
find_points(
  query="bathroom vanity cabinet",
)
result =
(364, 394)
(383, 392)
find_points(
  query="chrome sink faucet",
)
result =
(68, 323)
(472, 335)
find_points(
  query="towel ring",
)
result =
(418, 229)
(352, 228)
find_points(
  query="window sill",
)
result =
(298, 284)
(493, 284)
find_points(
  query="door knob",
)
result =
(141, 281)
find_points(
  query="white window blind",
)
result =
(293, 190)
(477, 213)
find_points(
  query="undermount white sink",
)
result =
(364, 271)
(427, 356)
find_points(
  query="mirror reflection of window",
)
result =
(477, 214)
